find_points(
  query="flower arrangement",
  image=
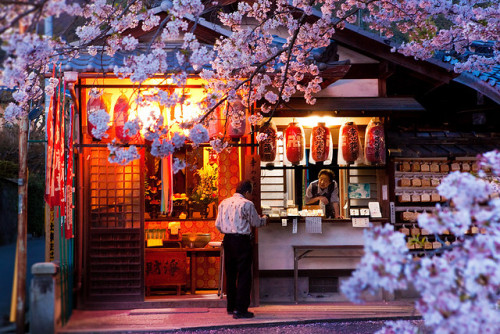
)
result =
(206, 190)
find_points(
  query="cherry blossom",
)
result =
(459, 284)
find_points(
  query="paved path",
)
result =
(216, 319)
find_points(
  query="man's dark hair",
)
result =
(244, 187)
(328, 173)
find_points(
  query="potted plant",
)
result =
(205, 192)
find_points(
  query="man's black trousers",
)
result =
(238, 266)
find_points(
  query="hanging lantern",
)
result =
(237, 123)
(93, 105)
(120, 117)
(294, 143)
(375, 143)
(268, 146)
(349, 142)
(320, 143)
(215, 123)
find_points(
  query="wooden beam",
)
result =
(348, 107)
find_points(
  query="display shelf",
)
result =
(417, 179)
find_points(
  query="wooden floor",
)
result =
(202, 298)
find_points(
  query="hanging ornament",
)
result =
(120, 117)
(215, 123)
(268, 146)
(375, 143)
(321, 141)
(237, 124)
(93, 105)
(350, 143)
(294, 143)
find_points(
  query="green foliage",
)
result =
(8, 169)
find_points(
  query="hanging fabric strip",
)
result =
(68, 232)
(50, 148)
(54, 171)
(167, 192)
(62, 156)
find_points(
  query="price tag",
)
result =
(375, 210)
(283, 221)
(294, 226)
(360, 222)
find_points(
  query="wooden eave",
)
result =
(357, 40)
(348, 106)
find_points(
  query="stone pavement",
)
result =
(174, 319)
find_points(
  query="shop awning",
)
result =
(430, 144)
(348, 106)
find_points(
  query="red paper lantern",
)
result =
(294, 139)
(94, 104)
(375, 143)
(350, 142)
(237, 120)
(120, 117)
(215, 123)
(267, 147)
(320, 143)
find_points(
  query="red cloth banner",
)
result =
(68, 230)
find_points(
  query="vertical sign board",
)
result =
(251, 171)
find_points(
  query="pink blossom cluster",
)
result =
(263, 50)
(459, 285)
(122, 155)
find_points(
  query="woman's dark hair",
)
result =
(244, 187)
(328, 173)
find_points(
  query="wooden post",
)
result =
(22, 218)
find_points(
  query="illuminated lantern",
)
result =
(350, 143)
(294, 143)
(320, 143)
(267, 146)
(93, 105)
(120, 117)
(375, 143)
(237, 123)
(215, 125)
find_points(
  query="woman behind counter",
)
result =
(326, 191)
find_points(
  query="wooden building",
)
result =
(435, 122)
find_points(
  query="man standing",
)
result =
(235, 218)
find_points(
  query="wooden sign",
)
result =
(165, 268)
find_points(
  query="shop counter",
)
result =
(276, 239)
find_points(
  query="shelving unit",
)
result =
(415, 192)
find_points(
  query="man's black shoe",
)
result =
(240, 315)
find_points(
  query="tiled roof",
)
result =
(101, 62)
(490, 79)
(430, 144)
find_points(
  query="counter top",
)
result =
(324, 220)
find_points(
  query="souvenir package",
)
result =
(350, 150)
(294, 145)
(321, 145)
(375, 143)
(268, 146)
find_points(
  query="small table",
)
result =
(302, 251)
(193, 254)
